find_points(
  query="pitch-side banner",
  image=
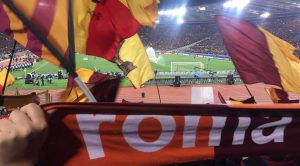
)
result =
(153, 134)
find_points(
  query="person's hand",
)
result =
(22, 136)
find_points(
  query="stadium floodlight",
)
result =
(162, 12)
(181, 11)
(202, 8)
(240, 4)
(157, 21)
(180, 20)
(265, 15)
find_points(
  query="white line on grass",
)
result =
(45, 63)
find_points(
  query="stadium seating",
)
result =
(169, 37)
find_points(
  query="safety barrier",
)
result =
(189, 81)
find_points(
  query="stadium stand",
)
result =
(6, 45)
(204, 38)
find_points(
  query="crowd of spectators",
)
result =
(285, 28)
(205, 38)
(19, 66)
(6, 46)
(167, 37)
(19, 62)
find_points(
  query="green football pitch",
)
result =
(98, 64)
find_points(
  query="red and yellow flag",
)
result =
(134, 51)
(259, 56)
(49, 16)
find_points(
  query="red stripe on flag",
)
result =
(1, 87)
(96, 77)
(111, 23)
(34, 45)
(5, 22)
(43, 18)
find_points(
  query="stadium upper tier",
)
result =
(205, 38)
(6, 45)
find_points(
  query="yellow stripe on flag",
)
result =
(10, 78)
(84, 74)
(74, 94)
(133, 51)
(82, 17)
(15, 24)
(58, 34)
(287, 63)
(235, 102)
(144, 11)
(21, 38)
(47, 55)
(28, 6)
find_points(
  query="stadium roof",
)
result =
(203, 11)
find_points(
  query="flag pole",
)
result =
(155, 72)
(9, 65)
(71, 34)
(71, 41)
(70, 68)
(248, 90)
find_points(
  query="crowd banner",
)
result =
(158, 134)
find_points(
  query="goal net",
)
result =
(186, 66)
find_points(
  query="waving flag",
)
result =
(134, 51)
(49, 16)
(259, 56)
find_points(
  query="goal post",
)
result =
(186, 66)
